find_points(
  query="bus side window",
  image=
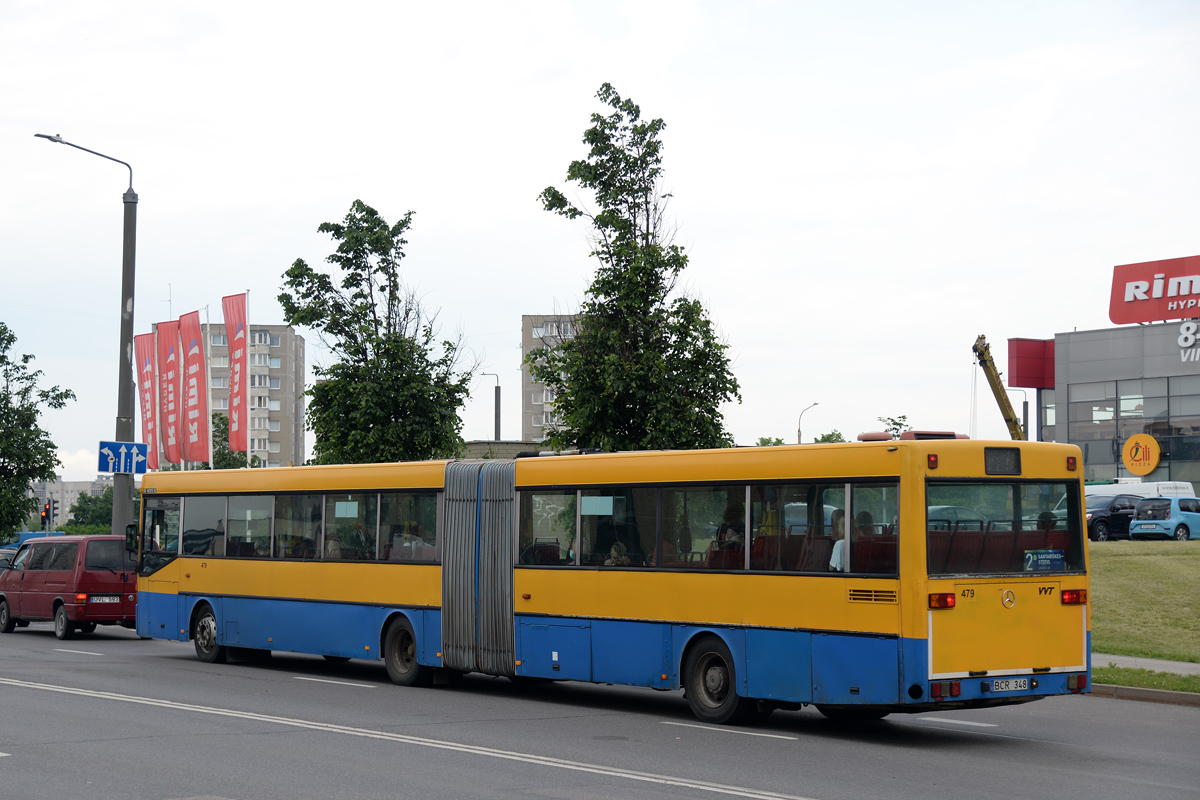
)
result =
(547, 532)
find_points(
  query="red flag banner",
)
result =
(143, 349)
(195, 389)
(169, 372)
(233, 308)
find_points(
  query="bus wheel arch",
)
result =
(399, 650)
(709, 674)
(202, 629)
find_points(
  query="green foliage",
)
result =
(393, 394)
(26, 452)
(767, 441)
(896, 425)
(89, 510)
(223, 457)
(646, 369)
(833, 436)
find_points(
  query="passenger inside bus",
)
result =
(864, 525)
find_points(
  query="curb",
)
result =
(1145, 695)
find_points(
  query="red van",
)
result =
(77, 581)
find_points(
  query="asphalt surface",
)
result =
(112, 716)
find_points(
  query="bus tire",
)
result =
(204, 635)
(851, 715)
(1182, 533)
(63, 627)
(400, 655)
(7, 623)
(710, 683)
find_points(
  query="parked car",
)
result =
(1143, 489)
(957, 517)
(1108, 516)
(77, 581)
(1166, 518)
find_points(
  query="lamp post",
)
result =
(497, 377)
(799, 438)
(122, 513)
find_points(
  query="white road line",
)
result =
(730, 730)
(957, 722)
(508, 755)
(5, 755)
(339, 683)
(80, 652)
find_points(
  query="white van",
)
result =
(1140, 489)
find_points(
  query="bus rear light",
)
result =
(1073, 597)
(943, 600)
(1076, 683)
(1070, 463)
(939, 690)
(933, 460)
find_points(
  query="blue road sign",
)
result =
(123, 457)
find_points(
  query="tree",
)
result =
(896, 425)
(767, 441)
(393, 394)
(89, 510)
(833, 436)
(223, 457)
(646, 369)
(26, 452)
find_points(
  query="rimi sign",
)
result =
(1155, 291)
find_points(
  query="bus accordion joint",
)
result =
(942, 600)
(1073, 597)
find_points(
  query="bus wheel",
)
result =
(204, 633)
(63, 627)
(400, 655)
(851, 715)
(710, 683)
(1181, 533)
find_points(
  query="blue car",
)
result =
(1166, 518)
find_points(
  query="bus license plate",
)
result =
(1010, 685)
(104, 598)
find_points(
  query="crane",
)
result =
(983, 355)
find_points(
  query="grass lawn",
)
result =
(1145, 599)
(1145, 679)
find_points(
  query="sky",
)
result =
(862, 187)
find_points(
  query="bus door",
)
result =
(158, 584)
(477, 567)
(1006, 557)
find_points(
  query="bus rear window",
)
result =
(1000, 527)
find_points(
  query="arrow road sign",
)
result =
(127, 457)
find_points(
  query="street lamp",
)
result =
(497, 377)
(122, 481)
(799, 438)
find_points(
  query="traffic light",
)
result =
(45, 514)
(53, 512)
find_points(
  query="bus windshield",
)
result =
(991, 527)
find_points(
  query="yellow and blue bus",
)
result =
(864, 578)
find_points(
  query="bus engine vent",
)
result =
(873, 596)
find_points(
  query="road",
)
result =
(111, 716)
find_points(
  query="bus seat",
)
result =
(997, 551)
(965, 547)
(1030, 540)
(884, 555)
(793, 551)
(860, 555)
(816, 555)
(544, 554)
(938, 542)
(725, 559)
(1059, 540)
(764, 554)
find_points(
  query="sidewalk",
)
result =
(1153, 664)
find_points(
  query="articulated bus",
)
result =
(864, 578)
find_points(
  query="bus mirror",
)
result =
(131, 538)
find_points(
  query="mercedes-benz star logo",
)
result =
(1008, 598)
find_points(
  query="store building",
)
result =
(1099, 388)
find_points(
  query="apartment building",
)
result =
(66, 493)
(276, 384)
(537, 402)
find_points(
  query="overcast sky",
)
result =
(863, 188)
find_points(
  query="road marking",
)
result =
(339, 683)
(958, 722)
(730, 730)
(5, 755)
(490, 752)
(80, 652)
